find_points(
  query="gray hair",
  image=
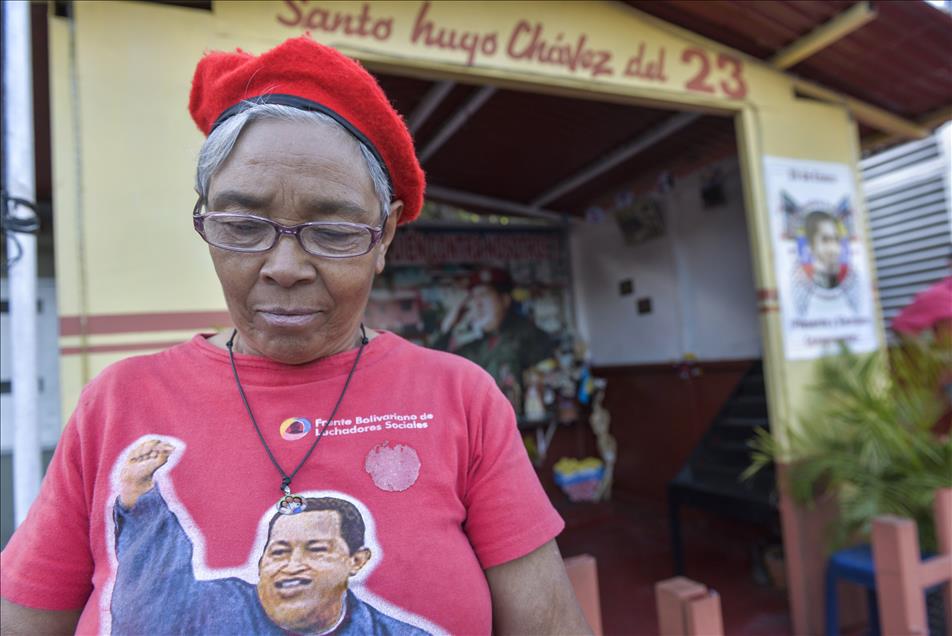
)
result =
(222, 141)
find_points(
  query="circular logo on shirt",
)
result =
(393, 468)
(294, 428)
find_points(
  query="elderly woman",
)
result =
(298, 473)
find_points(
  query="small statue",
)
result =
(534, 409)
(600, 421)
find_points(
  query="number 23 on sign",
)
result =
(726, 78)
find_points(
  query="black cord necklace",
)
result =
(291, 504)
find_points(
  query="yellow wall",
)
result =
(124, 153)
(830, 136)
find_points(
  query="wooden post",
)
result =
(704, 616)
(687, 608)
(902, 606)
(670, 596)
(583, 573)
(902, 577)
(943, 530)
(806, 554)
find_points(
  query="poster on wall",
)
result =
(496, 297)
(824, 285)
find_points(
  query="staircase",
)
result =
(710, 480)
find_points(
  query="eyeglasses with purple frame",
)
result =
(198, 219)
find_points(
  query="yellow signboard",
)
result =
(601, 47)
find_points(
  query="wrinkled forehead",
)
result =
(312, 166)
(267, 139)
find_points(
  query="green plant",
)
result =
(869, 438)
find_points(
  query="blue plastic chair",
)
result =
(856, 566)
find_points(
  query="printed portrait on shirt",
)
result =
(306, 577)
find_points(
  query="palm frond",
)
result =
(867, 436)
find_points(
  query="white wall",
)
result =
(698, 276)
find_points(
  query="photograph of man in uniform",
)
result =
(487, 328)
(303, 572)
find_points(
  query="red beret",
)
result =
(307, 75)
(495, 277)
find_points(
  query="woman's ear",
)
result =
(389, 229)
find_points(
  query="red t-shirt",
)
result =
(424, 446)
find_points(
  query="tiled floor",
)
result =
(630, 543)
